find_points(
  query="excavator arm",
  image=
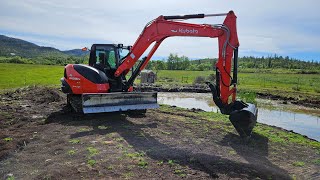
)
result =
(164, 26)
(242, 115)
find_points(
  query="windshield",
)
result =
(106, 55)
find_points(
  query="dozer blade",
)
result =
(244, 120)
(118, 101)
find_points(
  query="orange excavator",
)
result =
(103, 86)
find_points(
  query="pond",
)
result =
(302, 120)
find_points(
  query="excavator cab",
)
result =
(106, 58)
(103, 57)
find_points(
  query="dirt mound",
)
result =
(44, 95)
(22, 111)
(37, 94)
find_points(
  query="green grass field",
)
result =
(18, 75)
(275, 83)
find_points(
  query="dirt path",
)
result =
(50, 142)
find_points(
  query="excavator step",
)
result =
(112, 102)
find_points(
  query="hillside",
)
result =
(22, 48)
(76, 52)
(25, 49)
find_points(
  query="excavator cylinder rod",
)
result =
(244, 120)
(220, 14)
(118, 101)
(193, 16)
(189, 16)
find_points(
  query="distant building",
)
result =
(12, 54)
(148, 76)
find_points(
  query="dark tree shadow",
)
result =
(131, 132)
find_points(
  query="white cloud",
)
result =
(263, 26)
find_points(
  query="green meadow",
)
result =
(18, 75)
(274, 83)
(288, 84)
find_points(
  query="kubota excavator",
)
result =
(102, 85)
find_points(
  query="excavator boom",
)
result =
(242, 115)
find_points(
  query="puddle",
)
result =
(270, 112)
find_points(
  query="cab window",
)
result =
(106, 56)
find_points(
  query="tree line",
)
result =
(175, 62)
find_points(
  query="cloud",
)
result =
(283, 27)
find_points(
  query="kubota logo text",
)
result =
(186, 31)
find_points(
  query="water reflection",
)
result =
(188, 100)
(305, 124)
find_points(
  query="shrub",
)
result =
(199, 80)
(211, 78)
(296, 88)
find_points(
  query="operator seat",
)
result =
(101, 64)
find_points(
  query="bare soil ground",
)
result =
(41, 138)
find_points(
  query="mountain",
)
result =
(76, 52)
(13, 46)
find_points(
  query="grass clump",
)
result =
(171, 162)
(91, 162)
(10, 178)
(232, 152)
(74, 141)
(135, 155)
(103, 127)
(142, 163)
(160, 163)
(7, 139)
(110, 167)
(180, 172)
(199, 80)
(92, 151)
(83, 130)
(298, 163)
(71, 152)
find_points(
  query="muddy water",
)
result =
(302, 120)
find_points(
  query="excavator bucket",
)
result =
(117, 101)
(243, 116)
(244, 120)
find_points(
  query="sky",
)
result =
(287, 27)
